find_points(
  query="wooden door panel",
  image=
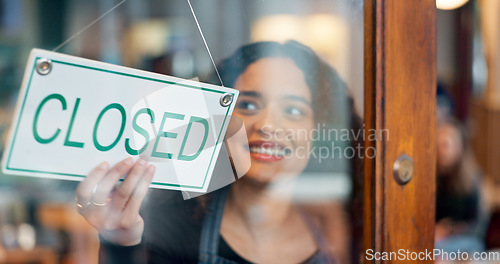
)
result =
(400, 81)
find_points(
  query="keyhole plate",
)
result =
(403, 169)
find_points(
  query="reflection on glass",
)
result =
(286, 93)
(295, 203)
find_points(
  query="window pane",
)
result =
(294, 144)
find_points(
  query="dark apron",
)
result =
(210, 234)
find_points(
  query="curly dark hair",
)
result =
(328, 90)
(332, 104)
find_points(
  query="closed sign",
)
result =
(74, 113)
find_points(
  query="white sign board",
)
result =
(74, 113)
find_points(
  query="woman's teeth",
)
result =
(278, 152)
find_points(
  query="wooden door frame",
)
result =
(399, 97)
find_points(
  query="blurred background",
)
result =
(468, 116)
(38, 218)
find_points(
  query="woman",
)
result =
(459, 213)
(285, 89)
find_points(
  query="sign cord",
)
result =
(205, 42)
(89, 25)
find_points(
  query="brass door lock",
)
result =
(403, 169)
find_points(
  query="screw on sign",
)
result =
(43, 66)
(226, 99)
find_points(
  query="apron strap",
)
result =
(209, 242)
(317, 234)
(210, 233)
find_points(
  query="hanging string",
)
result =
(89, 25)
(205, 42)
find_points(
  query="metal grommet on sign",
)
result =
(226, 99)
(403, 169)
(43, 66)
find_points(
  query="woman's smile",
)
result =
(268, 151)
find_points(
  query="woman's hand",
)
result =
(114, 212)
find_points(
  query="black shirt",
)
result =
(457, 206)
(172, 233)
